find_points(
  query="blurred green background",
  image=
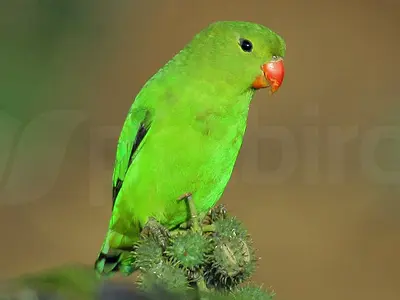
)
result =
(327, 228)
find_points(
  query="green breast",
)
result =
(204, 154)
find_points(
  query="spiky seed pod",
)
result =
(188, 250)
(231, 263)
(252, 292)
(230, 227)
(215, 295)
(194, 275)
(166, 275)
(241, 293)
(147, 254)
(233, 259)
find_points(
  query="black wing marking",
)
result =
(141, 133)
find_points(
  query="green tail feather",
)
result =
(107, 265)
(111, 261)
(118, 258)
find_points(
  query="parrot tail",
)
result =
(111, 261)
(106, 265)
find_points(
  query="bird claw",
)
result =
(218, 212)
(185, 225)
(202, 222)
(154, 229)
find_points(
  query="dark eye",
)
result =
(246, 45)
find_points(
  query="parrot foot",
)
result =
(208, 228)
(177, 231)
(219, 212)
(216, 213)
(186, 225)
(194, 218)
(157, 231)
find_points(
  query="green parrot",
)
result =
(184, 131)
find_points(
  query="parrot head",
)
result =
(243, 54)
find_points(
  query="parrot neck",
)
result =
(185, 71)
(188, 88)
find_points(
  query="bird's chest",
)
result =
(202, 143)
(220, 141)
(218, 126)
(200, 147)
(194, 155)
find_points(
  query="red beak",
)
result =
(274, 72)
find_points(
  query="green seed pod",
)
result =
(252, 292)
(231, 263)
(165, 275)
(189, 250)
(230, 227)
(147, 254)
(215, 295)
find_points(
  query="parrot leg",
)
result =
(188, 224)
(194, 218)
(207, 219)
(159, 232)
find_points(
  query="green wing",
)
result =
(131, 139)
(134, 131)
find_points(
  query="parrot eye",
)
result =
(246, 45)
